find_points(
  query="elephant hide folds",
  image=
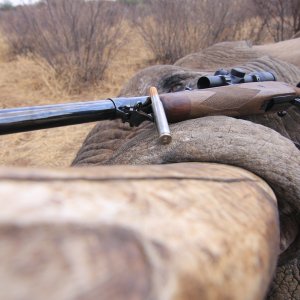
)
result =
(268, 151)
(178, 231)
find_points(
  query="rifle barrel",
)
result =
(47, 116)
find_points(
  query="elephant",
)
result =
(108, 136)
(256, 143)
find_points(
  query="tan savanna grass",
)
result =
(26, 81)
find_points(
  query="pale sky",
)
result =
(16, 2)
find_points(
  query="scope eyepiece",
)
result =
(260, 76)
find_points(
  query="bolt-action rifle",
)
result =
(226, 93)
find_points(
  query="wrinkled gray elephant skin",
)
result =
(231, 53)
(268, 151)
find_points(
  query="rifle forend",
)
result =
(233, 100)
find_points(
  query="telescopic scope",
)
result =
(235, 76)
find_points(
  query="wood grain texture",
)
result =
(235, 100)
(181, 231)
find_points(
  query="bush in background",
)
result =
(281, 17)
(77, 38)
(172, 29)
(6, 5)
(169, 28)
(131, 2)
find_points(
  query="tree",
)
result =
(6, 5)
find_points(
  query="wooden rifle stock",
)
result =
(234, 100)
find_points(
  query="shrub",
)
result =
(77, 38)
(131, 2)
(281, 17)
(172, 29)
(167, 29)
(6, 5)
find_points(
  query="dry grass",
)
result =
(3, 50)
(24, 82)
(77, 38)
